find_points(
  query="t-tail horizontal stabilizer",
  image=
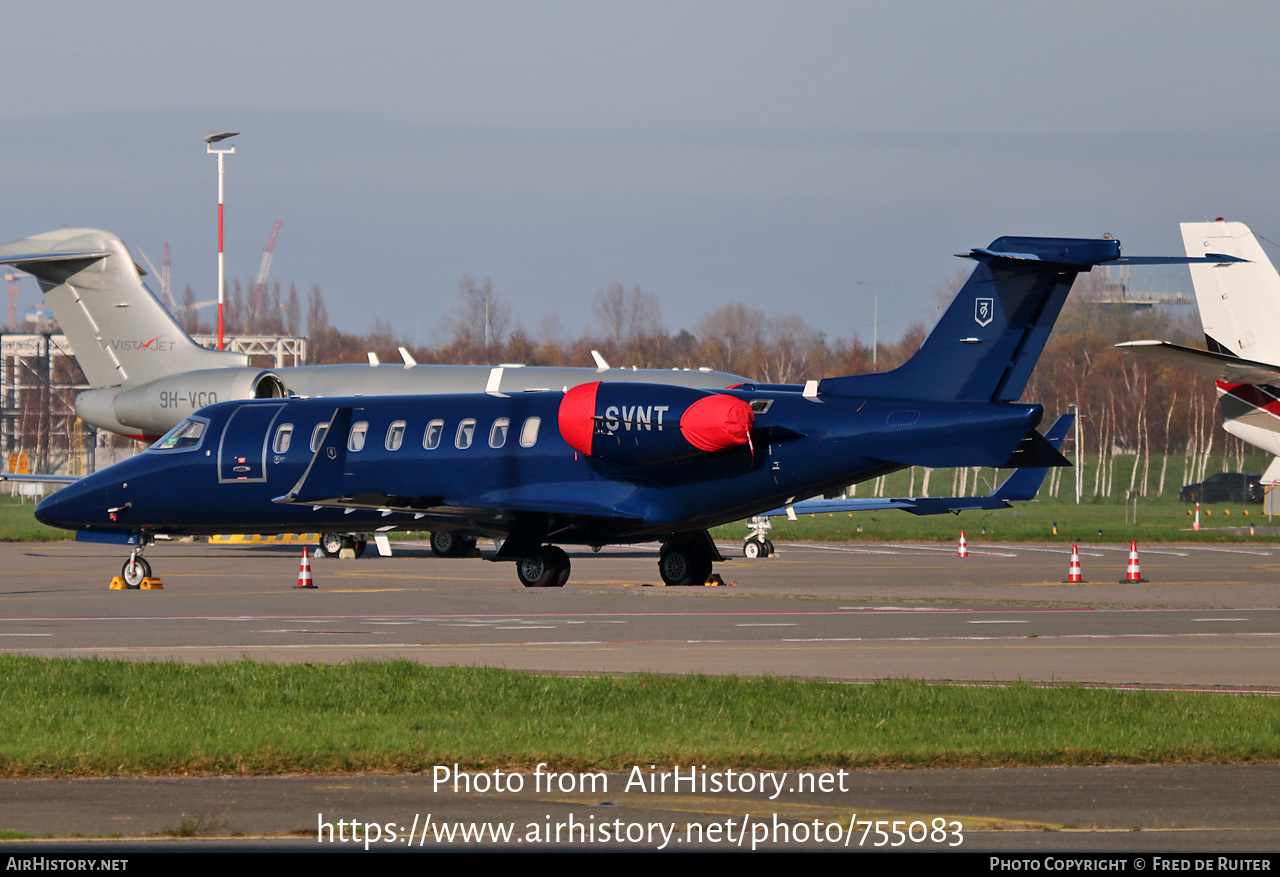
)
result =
(989, 339)
(121, 334)
(1021, 486)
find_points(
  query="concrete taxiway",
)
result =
(1198, 808)
(1208, 617)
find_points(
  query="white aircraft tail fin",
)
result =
(121, 334)
(1238, 300)
(1272, 475)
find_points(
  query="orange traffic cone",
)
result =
(964, 546)
(1073, 571)
(1134, 574)
(304, 571)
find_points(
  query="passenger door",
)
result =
(242, 453)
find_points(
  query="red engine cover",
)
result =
(702, 421)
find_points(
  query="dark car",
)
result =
(1225, 487)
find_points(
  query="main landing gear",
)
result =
(449, 543)
(548, 568)
(753, 548)
(687, 560)
(332, 544)
(757, 543)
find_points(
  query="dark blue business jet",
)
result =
(604, 463)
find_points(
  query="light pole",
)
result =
(209, 141)
(875, 321)
(1074, 407)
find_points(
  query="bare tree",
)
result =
(482, 319)
(626, 317)
(188, 316)
(732, 335)
(292, 312)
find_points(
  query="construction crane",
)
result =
(268, 253)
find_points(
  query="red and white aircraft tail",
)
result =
(1239, 305)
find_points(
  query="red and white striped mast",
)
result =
(210, 140)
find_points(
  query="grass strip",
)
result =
(102, 717)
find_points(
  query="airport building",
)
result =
(39, 380)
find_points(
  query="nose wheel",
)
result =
(135, 569)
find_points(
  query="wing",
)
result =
(40, 479)
(1218, 366)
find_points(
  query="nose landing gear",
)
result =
(136, 572)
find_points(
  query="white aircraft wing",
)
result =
(1218, 366)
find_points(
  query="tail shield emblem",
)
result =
(984, 311)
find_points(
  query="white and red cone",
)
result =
(964, 546)
(304, 571)
(1195, 525)
(1073, 571)
(1133, 574)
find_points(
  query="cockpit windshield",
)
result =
(184, 436)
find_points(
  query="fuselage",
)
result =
(490, 464)
(149, 410)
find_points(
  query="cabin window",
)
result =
(529, 432)
(395, 436)
(498, 435)
(317, 436)
(466, 431)
(355, 441)
(431, 438)
(185, 435)
(284, 436)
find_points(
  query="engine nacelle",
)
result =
(651, 423)
(155, 408)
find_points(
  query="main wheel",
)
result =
(330, 544)
(562, 560)
(768, 548)
(751, 549)
(450, 543)
(135, 569)
(548, 568)
(682, 565)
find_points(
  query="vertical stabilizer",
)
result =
(1239, 301)
(121, 335)
(990, 337)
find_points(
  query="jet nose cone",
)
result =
(73, 506)
(51, 510)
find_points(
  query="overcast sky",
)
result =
(709, 152)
